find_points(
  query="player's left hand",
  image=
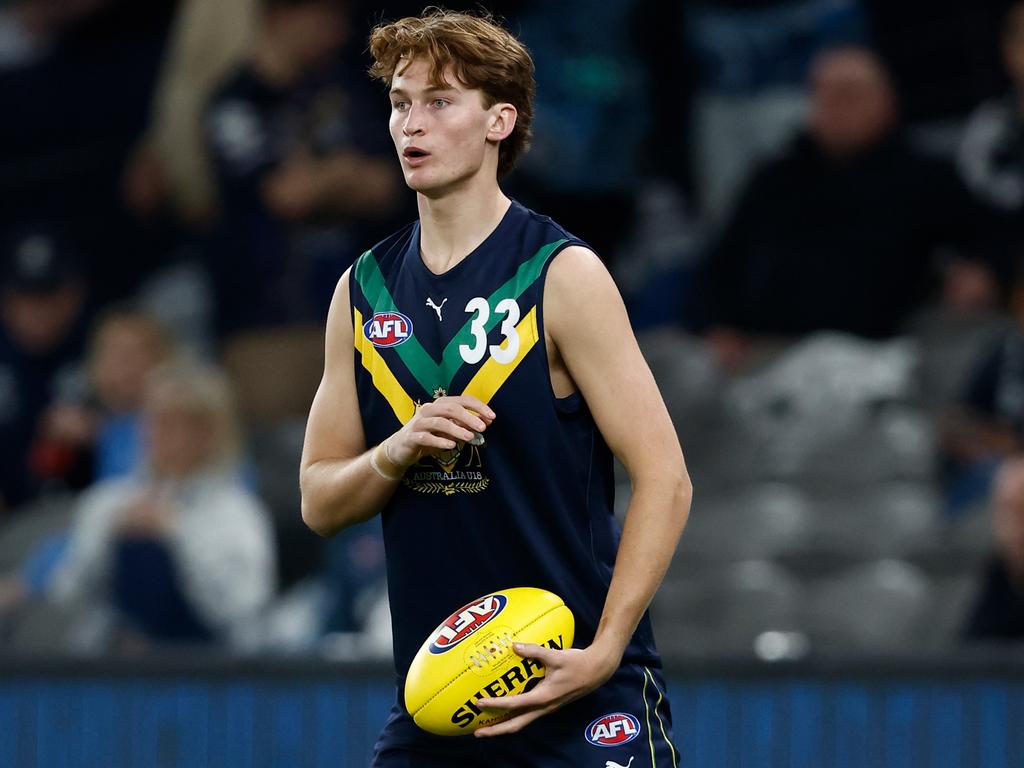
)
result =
(570, 674)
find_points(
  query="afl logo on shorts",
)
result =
(465, 621)
(613, 730)
(387, 329)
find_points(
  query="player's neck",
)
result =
(454, 225)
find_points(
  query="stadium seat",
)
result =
(755, 522)
(723, 610)
(877, 606)
(948, 610)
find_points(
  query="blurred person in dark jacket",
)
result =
(170, 170)
(998, 613)
(43, 320)
(299, 163)
(986, 424)
(840, 231)
(75, 82)
(180, 551)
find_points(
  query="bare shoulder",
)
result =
(339, 335)
(576, 268)
(580, 292)
(333, 429)
(340, 302)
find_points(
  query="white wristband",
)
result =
(375, 464)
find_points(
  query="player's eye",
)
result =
(400, 106)
(440, 103)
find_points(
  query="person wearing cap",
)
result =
(42, 333)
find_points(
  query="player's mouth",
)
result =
(414, 156)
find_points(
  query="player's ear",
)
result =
(502, 121)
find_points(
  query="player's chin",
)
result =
(430, 186)
(418, 181)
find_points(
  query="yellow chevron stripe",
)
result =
(492, 374)
(660, 723)
(383, 379)
(647, 717)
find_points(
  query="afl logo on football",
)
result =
(613, 730)
(387, 329)
(465, 621)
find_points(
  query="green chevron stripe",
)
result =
(524, 277)
(419, 362)
(428, 372)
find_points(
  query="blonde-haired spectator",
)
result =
(180, 551)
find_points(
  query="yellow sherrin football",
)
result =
(469, 656)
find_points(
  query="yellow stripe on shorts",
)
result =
(661, 725)
(647, 717)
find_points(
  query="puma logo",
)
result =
(436, 307)
(613, 764)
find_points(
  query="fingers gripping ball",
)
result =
(470, 656)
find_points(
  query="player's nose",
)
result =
(413, 122)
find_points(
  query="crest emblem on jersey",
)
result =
(387, 329)
(457, 470)
(465, 621)
(613, 730)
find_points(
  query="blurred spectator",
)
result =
(103, 428)
(840, 232)
(987, 424)
(170, 166)
(749, 61)
(298, 158)
(587, 65)
(72, 111)
(999, 611)
(28, 28)
(991, 157)
(42, 330)
(354, 575)
(179, 552)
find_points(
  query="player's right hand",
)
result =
(437, 427)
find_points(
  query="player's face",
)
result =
(441, 134)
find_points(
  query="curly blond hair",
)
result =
(480, 53)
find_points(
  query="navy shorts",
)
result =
(626, 723)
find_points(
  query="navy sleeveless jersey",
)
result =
(532, 506)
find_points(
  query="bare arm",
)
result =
(587, 321)
(340, 486)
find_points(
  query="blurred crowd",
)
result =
(814, 208)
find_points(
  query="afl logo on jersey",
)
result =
(465, 621)
(387, 329)
(613, 730)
